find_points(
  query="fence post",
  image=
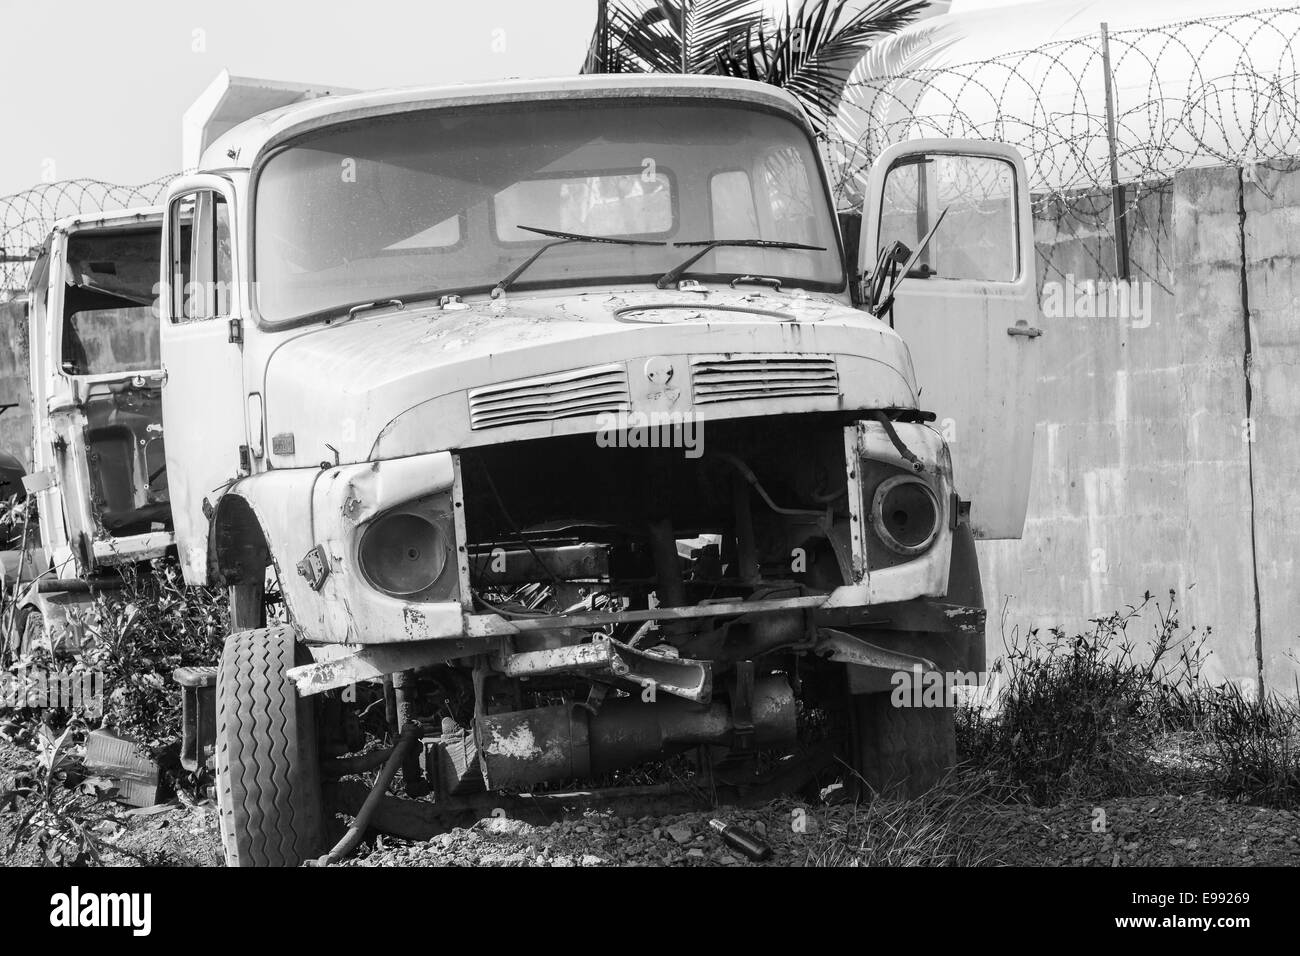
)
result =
(1117, 198)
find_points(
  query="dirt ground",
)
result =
(173, 834)
(1157, 830)
(1152, 831)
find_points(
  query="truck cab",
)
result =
(99, 465)
(561, 408)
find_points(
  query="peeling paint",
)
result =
(520, 745)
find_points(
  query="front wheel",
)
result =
(902, 751)
(268, 766)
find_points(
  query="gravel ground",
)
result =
(1159, 830)
(1140, 831)
(1155, 830)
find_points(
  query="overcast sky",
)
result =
(101, 93)
(95, 89)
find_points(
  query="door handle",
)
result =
(1026, 330)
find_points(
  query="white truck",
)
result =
(560, 407)
(99, 470)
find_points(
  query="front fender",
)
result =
(301, 509)
(926, 575)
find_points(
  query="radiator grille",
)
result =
(546, 398)
(743, 377)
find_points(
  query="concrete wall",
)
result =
(1271, 199)
(1146, 474)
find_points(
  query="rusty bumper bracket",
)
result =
(607, 657)
(340, 665)
(920, 615)
(850, 649)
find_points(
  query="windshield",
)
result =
(434, 201)
(110, 316)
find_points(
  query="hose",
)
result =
(410, 733)
(750, 477)
(883, 420)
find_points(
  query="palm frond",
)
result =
(904, 54)
(715, 26)
(646, 36)
(813, 49)
(644, 41)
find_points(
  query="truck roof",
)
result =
(110, 219)
(240, 147)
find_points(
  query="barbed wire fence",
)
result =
(1212, 91)
(1126, 108)
(27, 217)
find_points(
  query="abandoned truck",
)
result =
(557, 406)
(99, 470)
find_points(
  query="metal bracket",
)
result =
(742, 705)
(315, 567)
(338, 665)
(850, 649)
(680, 677)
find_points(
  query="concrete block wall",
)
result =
(1166, 446)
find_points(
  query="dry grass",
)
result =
(947, 826)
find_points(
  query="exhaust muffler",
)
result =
(552, 744)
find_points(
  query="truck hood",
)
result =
(429, 378)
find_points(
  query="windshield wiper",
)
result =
(878, 280)
(669, 278)
(563, 239)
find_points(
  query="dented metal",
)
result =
(464, 475)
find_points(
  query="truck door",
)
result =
(968, 309)
(203, 305)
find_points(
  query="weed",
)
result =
(1088, 716)
(63, 812)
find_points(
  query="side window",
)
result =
(978, 238)
(202, 269)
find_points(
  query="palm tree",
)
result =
(809, 51)
(646, 36)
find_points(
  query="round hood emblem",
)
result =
(659, 370)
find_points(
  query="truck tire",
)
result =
(268, 767)
(902, 751)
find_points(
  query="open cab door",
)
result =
(967, 307)
(96, 384)
(203, 307)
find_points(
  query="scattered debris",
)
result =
(680, 834)
(138, 778)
